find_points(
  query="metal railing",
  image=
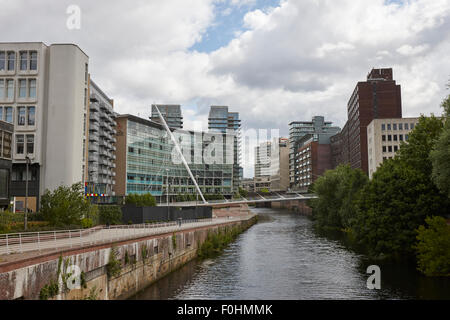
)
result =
(38, 241)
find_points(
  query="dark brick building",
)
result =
(312, 159)
(377, 98)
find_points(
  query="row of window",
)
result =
(27, 60)
(394, 137)
(25, 115)
(397, 126)
(27, 89)
(390, 149)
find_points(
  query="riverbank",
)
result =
(140, 262)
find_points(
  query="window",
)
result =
(389, 137)
(406, 137)
(7, 139)
(390, 148)
(32, 88)
(11, 61)
(395, 137)
(412, 126)
(19, 144)
(400, 137)
(22, 88)
(10, 89)
(2, 89)
(21, 116)
(30, 144)
(394, 126)
(400, 126)
(86, 73)
(33, 60)
(2, 61)
(406, 126)
(130, 150)
(389, 126)
(31, 116)
(24, 61)
(395, 148)
(384, 158)
(1, 115)
(8, 114)
(384, 148)
(383, 137)
(383, 127)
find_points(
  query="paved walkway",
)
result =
(45, 241)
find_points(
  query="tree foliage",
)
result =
(66, 205)
(141, 200)
(336, 190)
(433, 247)
(110, 215)
(401, 195)
(440, 155)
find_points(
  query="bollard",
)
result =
(7, 248)
(20, 239)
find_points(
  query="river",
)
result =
(281, 258)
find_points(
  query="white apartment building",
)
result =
(384, 137)
(100, 175)
(44, 93)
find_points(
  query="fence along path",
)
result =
(38, 241)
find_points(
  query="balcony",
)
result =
(93, 126)
(93, 138)
(93, 116)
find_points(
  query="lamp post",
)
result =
(196, 201)
(168, 213)
(26, 193)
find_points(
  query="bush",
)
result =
(141, 200)
(86, 223)
(110, 215)
(65, 205)
(433, 247)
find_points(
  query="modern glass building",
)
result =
(170, 112)
(228, 122)
(148, 163)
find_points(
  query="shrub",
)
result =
(433, 247)
(141, 200)
(65, 205)
(111, 215)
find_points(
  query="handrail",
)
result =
(38, 241)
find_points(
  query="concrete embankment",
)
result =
(139, 263)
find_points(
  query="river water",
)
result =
(281, 258)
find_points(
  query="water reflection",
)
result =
(283, 258)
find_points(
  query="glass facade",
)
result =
(150, 164)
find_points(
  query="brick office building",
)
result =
(312, 159)
(377, 98)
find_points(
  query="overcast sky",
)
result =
(271, 61)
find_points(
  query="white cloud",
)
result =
(408, 50)
(300, 59)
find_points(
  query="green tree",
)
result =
(141, 200)
(433, 247)
(440, 155)
(337, 191)
(243, 192)
(65, 205)
(401, 195)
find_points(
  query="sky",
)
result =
(272, 61)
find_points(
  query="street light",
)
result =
(168, 216)
(26, 193)
(196, 178)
